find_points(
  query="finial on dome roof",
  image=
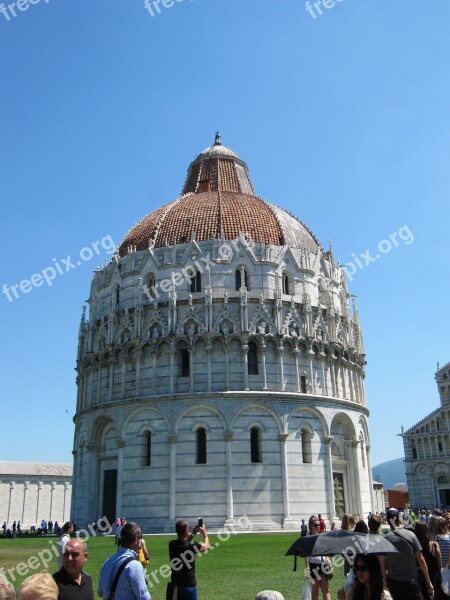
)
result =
(217, 141)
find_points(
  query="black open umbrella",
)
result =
(347, 543)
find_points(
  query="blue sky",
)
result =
(343, 119)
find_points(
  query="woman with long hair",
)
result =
(369, 581)
(432, 555)
(314, 572)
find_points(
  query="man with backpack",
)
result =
(122, 575)
(402, 567)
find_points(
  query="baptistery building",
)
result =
(220, 367)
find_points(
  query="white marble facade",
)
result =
(30, 492)
(427, 452)
(221, 377)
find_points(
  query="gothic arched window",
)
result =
(252, 359)
(303, 386)
(147, 449)
(117, 295)
(196, 283)
(149, 286)
(363, 450)
(201, 446)
(238, 279)
(306, 446)
(184, 363)
(255, 445)
(285, 284)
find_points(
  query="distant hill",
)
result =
(389, 473)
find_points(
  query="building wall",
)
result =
(30, 500)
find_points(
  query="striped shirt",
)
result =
(444, 545)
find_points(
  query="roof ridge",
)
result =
(422, 420)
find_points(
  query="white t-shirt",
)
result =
(61, 547)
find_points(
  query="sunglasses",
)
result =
(362, 568)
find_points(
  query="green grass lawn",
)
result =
(236, 568)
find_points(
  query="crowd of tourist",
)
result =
(412, 573)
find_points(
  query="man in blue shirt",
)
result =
(131, 583)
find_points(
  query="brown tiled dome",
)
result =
(218, 201)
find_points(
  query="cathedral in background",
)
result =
(220, 368)
(427, 452)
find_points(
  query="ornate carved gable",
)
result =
(155, 326)
(190, 323)
(294, 323)
(262, 322)
(320, 330)
(226, 319)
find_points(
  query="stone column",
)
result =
(79, 388)
(280, 355)
(74, 479)
(138, 376)
(227, 369)
(154, 372)
(324, 378)
(263, 370)
(369, 469)
(311, 376)
(66, 487)
(344, 386)
(191, 369)
(208, 353)
(288, 522)
(92, 479)
(333, 378)
(244, 351)
(25, 487)
(124, 367)
(39, 488)
(99, 383)
(350, 383)
(84, 400)
(111, 381)
(52, 489)
(331, 500)
(11, 487)
(297, 372)
(357, 483)
(173, 476)
(171, 379)
(121, 446)
(228, 437)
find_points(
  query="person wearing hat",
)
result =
(401, 567)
